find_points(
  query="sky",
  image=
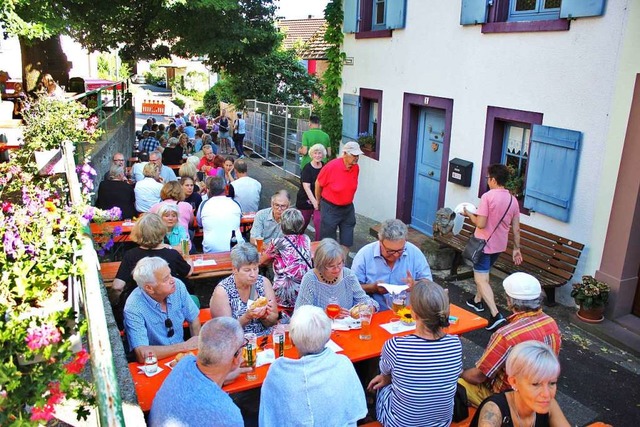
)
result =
(296, 9)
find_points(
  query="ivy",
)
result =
(331, 116)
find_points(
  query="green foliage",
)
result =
(331, 117)
(590, 293)
(211, 102)
(179, 102)
(107, 65)
(199, 110)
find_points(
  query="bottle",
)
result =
(234, 240)
(151, 364)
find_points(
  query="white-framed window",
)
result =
(378, 18)
(515, 154)
(533, 10)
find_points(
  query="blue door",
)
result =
(426, 187)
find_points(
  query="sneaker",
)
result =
(477, 306)
(495, 322)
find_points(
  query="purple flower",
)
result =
(117, 230)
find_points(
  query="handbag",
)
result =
(460, 404)
(310, 264)
(475, 246)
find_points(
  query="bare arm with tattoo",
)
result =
(490, 416)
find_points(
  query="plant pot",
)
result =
(368, 147)
(591, 315)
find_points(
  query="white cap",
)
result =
(352, 148)
(522, 286)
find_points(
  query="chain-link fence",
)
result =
(275, 132)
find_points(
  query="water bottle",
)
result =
(234, 240)
(151, 363)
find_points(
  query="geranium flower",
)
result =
(77, 364)
(44, 413)
(42, 336)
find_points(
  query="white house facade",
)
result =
(546, 86)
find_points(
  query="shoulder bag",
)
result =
(310, 264)
(475, 246)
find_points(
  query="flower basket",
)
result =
(367, 141)
(591, 296)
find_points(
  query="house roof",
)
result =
(316, 47)
(298, 30)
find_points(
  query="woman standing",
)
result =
(419, 372)
(233, 295)
(306, 200)
(330, 280)
(226, 144)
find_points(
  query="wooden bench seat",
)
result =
(551, 259)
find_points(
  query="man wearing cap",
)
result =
(335, 188)
(527, 323)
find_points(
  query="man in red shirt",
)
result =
(335, 188)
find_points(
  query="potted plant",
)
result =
(592, 296)
(367, 141)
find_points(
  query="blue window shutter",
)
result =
(581, 8)
(473, 12)
(350, 8)
(396, 13)
(350, 104)
(552, 169)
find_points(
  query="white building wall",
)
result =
(568, 76)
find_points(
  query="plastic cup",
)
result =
(395, 324)
(278, 341)
(366, 313)
(249, 354)
(259, 243)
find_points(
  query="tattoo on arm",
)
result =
(490, 416)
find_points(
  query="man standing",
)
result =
(498, 209)
(166, 173)
(528, 322)
(155, 311)
(313, 136)
(335, 188)
(219, 216)
(192, 393)
(267, 221)
(246, 189)
(390, 260)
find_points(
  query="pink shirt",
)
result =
(493, 204)
(185, 211)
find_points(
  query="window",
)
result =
(515, 154)
(502, 16)
(373, 18)
(370, 118)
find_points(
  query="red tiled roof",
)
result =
(316, 47)
(298, 30)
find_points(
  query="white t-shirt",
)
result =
(218, 216)
(147, 194)
(247, 193)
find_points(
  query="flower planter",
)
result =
(591, 315)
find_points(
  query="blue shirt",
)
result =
(190, 131)
(144, 320)
(188, 398)
(176, 234)
(369, 265)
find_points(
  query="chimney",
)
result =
(309, 16)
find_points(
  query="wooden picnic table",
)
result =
(354, 348)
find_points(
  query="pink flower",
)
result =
(55, 395)
(44, 413)
(76, 365)
(42, 336)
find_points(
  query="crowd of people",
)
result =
(418, 375)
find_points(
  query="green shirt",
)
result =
(310, 138)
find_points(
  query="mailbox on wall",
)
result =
(460, 172)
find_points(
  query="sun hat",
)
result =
(352, 148)
(522, 286)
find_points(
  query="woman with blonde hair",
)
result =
(148, 189)
(173, 194)
(51, 88)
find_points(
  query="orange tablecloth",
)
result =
(354, 348)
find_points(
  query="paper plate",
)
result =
(458, 222)
(470, 208)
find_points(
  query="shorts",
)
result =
(223, 135)
(485, 263)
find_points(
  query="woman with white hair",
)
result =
(320, 388)
(306, 200)
(532, 370)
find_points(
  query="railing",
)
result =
(275, 132)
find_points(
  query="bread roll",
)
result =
(260, 302)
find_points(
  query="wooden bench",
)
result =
(551, 259)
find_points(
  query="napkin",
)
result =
(128, 223)
(265, 357)
(203, 262)
(394, 289)
(143, 371)
(345, 324)
(331, 345)
(403, 328)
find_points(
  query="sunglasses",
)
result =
(244, 343)
(169, 325)
(393, 251)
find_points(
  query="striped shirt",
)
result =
(524, 326)
(424, 375)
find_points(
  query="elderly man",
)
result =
(320, 388)
(390, 260)
(335, 188)
(267, 221)
(528, 322)
(155, 311)
(116, 160)
(149, 143)
(219, 216)
(192, 393)
(166, 173)
(246, 189)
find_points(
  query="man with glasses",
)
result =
(390, 260)
(166, 173)
(267, 221)
(116, 160)
(192, 394)
(155, 311)
(335, 189)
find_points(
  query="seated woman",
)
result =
(419, 372)
(303, 391)
(173, 194)
(533, 370)
(176, 233)
(330, 279)
(190, 170)
(116, 191)
(232, 296)
(211, 164)
(148, 190)
(172, 154)
(291, 257)
(148, 233)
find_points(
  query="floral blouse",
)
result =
(289, 266)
